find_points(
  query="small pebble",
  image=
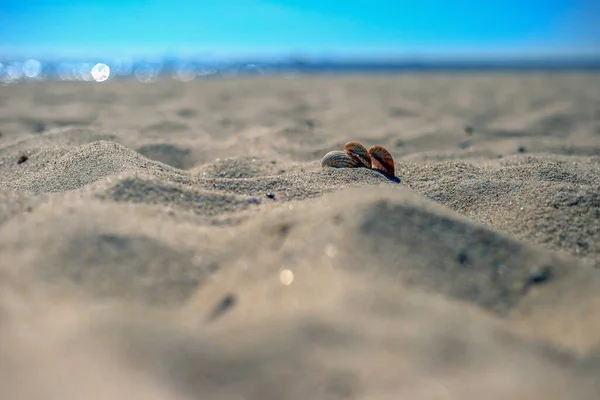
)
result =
(463, 258)
(22, 159)
(540, 275)
(271, 196)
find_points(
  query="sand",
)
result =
(172, 240)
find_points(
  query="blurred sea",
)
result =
(13, 70)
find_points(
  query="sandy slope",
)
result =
(177, 241)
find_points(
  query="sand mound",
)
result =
(35, 153)
(297, 186)
(548, 169)
(558, 216)
(87, 164)
(69, 240)
(130, 267)
(546, 200)
(396, 234)
(186, 197)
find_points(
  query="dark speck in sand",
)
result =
(186, 113)
(463, 258)
(223, 306)
(22, 159)
(271, 196)
(540, 275)
(310, 123)
(521, 149)
(253, 200)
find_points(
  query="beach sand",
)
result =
(173, 240)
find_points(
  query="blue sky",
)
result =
(348, 27)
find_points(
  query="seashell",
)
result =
(340, 159)
(355, 155)
(359, 152)
(382, 160)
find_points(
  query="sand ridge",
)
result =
(185, 238)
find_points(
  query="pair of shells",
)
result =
(355, 155)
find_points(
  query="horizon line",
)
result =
(278, 54)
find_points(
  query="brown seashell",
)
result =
(339, 159)
(382, 160)
(359, 152)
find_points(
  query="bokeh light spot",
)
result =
(32, 68)
(100, 72)
(185, 72)
(286, 277)
(146, 73)
(330, 250)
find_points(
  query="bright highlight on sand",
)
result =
(100, 72)
(286, 277)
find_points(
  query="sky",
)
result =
(308, 27)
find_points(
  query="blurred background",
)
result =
(95, 40)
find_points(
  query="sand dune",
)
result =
(181, 241)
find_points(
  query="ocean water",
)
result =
(13, 70)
